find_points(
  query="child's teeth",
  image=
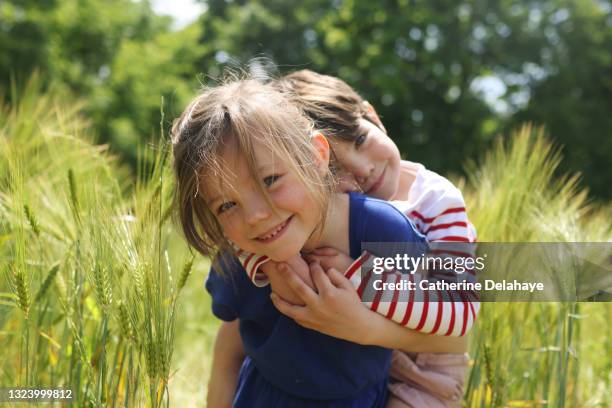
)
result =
(274, 232)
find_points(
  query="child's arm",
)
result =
(228, 355)
(439, 312)
(337, 311)
(252, 264)
(449, 313)
(262, 271)
(431, 312)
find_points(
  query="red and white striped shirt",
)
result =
(437, 209)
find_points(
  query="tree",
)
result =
(421, 64)
(117, 55)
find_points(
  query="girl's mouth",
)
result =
(275, 232)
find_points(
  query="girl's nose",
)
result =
(257, 210)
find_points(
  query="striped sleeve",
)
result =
(437, 209)
(439, 312)
(251, 263)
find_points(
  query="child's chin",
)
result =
(383, 193)
(389, 191)
(287, 253)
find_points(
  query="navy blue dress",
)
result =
(288, 365)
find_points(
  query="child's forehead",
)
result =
(236, 156)
(233, 167)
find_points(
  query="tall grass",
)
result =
(537, 354)
(92, 273)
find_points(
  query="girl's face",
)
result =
(278, 232)
(373, 160)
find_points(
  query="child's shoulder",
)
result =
(430, 192)
(374, 214)
(376, 221)
(428, 180)
(433, 202)
(361, 205)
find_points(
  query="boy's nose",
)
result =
(362, 173)
(361, 179)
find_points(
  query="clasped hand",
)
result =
(319, 297)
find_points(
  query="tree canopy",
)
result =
(447, 77)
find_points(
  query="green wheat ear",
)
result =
(32, 219)
(21, 289)
(185, 273)
(127, 330)
(74, 198)
(102, 286)
(44, 287)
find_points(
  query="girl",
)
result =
(252, 174)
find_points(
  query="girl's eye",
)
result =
(225, 206)
(360, 140)
(268, 181)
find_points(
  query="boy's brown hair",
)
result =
(238, 112)
(331, 103)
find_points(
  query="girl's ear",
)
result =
(374, 115)
(321, 145)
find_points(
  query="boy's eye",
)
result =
(268, 181)
(225, 206)
(360, 140)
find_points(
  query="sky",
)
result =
(183, 11)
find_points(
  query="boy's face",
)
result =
(373, 160)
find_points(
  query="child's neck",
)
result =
(408, 173)
(335, 231)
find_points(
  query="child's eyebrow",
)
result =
(265, 166)
(212, 200)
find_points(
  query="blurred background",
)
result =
(446, 76)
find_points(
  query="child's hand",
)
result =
(298, 266)
(334, 309)
(329, 258)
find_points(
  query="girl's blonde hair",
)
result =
(236, 114)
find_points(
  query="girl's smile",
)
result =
(275, 232)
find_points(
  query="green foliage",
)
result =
(142, 73)
(117, 55)
(420, 64)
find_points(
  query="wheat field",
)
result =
(99, 293)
